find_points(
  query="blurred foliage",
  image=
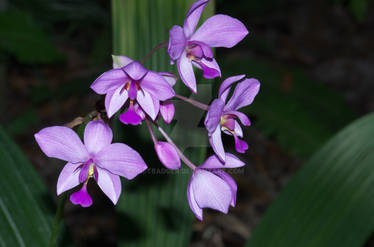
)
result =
(330, 201)
(25, 207)
(299, 113)
(20, 125)
(22, 37)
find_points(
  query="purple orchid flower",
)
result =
(222, 116)
(129, 80)
(194, 48)
(97, 158)
(210, 187)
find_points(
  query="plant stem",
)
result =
(58, 217)
(154, 139)
(181, 155)
(193, 102)
(159, 46)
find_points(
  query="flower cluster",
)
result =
(140, 95)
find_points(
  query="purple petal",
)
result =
(169, 77)
(109, 81)
(81, 197)
(167, 111)
(242, 117)
(156, 85)
(120, 61)
(114, 100)
(150, 105)
(210, 191)
(244, 94)
(62, 143)
(135, 70)
(83, 174)
(186, 72)
(193, 16)
(120, 159)
(168, 155)
(215, 141)
(110, 184)
(192, 202)
(68, 178)
(132, 91)
(238, 130)
(177, 42)
(210, 68)
(213, 117)
(220, 31)
(130, 117)
(240, 145)
(205, 49)
(97, 135)
(231, 182)
(213, 162)
(139, 111)
(225, 87)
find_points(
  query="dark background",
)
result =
(314, 58)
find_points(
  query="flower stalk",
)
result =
(57, 221)
(193, 102)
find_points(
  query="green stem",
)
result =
(58, 217)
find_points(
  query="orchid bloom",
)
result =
(194, 48)
(97, 158)
(210, 187)
(129, 80)
(222, 116)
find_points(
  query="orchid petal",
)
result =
(169, 77)
(120, 159)
(220, 31)
(97, 135)
(193, 16)
(62, 143)
(168, 155)
(68, 178)
(241, 116)
(110, 184)
(135, 70)
(130, 117)
(230, 182)
(213, 117)
(225, 87)
(167, 111)
(121, 61)
(213, 162)
(186, 72)
(114, 100)
(244, 94)
(215, 141)
(177, 42)
(109, 81)
(81, 197)
(156, 85)
(211, 191)
(192, 202)
(238, 130)
(210, 68)
(240, 145)
(148, 104)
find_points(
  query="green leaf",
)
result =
(25, 217)
(359, 9)
(153, 209)
(299, 113)
(21, 37)
(330, 201)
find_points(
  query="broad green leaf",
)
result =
(153, 209)
(23, 38)
(330, 201)
(25, 218)
(299, 113)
